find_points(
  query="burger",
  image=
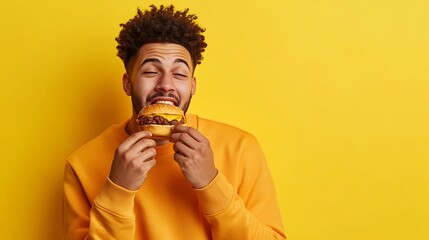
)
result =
(159, 118)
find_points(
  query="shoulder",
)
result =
(205, 124)
(224, 131)
(102, 144)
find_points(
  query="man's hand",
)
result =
(133, 160)
(194, 155)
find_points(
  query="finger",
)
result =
(188, 139)
(179, 158)
(190, 131)
(131, 140)
(148, 165)
(142, 164)
(140, 146)
(145, 168)
(184, 138)
(147, 155)
(183, 149)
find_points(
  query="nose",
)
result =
(165, 83)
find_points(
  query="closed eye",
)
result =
(149, 72)
(180, 75)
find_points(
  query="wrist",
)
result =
(207, 181)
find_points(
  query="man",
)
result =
(208, 181)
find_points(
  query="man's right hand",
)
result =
(133, 160)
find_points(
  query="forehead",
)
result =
(164, 51)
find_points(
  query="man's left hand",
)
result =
(194, 155)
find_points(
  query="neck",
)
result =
(132, 126)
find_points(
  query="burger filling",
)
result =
(159, 120)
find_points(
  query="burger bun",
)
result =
(158, 109)
(158, 131)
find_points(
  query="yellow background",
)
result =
(337, 92)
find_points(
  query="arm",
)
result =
(110, 215)
(230, 218)
(249, 212)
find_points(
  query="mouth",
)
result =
(168, 101)
(164, 98)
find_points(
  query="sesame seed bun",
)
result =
(160, 108)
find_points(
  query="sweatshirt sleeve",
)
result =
(249, 212)
(110, 216)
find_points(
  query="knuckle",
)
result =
(119, 150)
(145, 167)
(182, 136)
(152, 163)
(140, 171)
(152, 152)
(127, 155)
(178, 157)
(202, 148)
(197, 157)
(184, 164)
(149, 142)
(189, 164)
(133, 164)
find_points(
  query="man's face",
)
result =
(160, 73)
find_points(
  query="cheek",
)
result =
(184, 88)
(143, 88)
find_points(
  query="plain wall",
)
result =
(336, 92)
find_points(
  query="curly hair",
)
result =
(161, 25)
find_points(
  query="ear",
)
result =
(193, 85)
(126, 84)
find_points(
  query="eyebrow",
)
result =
(179, 60)
(154, 60)
(147, 60)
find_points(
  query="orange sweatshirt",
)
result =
(240, 203)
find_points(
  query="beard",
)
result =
(138, 104)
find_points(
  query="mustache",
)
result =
(149, 98)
